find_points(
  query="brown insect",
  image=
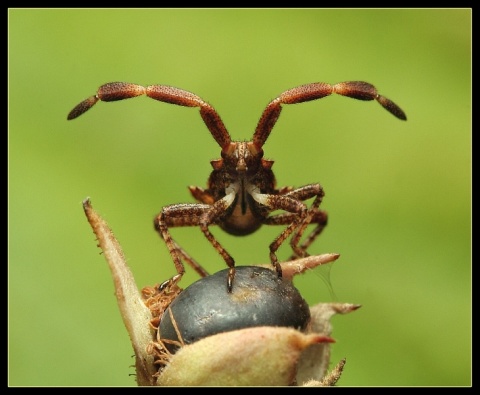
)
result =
(241, 192)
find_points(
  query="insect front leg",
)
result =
(297, 212)
(297, 221)
(320, 218)
(299, 251)
(217, 210)
(314, 216)
(202, 215)
(177, 215)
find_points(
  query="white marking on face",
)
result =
(230, 193)
(257, 196)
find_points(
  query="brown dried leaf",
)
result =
(136, 316)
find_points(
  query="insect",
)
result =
(241, 192)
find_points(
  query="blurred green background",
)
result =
(398, 193)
